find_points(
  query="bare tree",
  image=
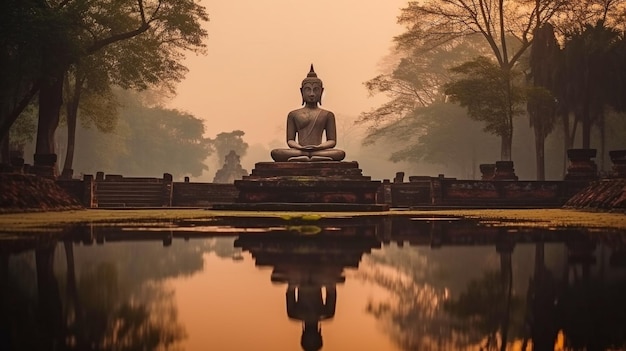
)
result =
(505, 26)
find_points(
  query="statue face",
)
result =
(311, 92)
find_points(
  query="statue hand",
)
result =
(316, 147)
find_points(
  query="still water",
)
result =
(391, 283)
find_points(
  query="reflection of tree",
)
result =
(150, 325)
(120, 316)
(488, 311)
(413, 317)
(481, 311)
(542, 313)
(18, 304)
(49, 309)
(592, 306)
(104, 304)
(427, 312)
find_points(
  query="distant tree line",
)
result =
(560, 63)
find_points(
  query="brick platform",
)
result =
(319, 186)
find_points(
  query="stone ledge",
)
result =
(304, 207)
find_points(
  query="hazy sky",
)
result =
(258, 52)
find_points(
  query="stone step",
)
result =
(307, 165)
(319, 172)
(304, 183)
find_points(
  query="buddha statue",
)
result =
(309, 124)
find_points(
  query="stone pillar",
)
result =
(386, 192)
(168, 181)
(504, 171)
(436, 191)
(487, 171)
(45, 165)
(89, 199)
(581, 166)
(399, 178)
(618, 157)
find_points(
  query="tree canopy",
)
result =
(148, 141)
(65, 32)
(226, 142)
(486, 46)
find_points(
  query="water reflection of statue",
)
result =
(305, 303)
(309, 124)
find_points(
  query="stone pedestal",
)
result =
(487, 170)
(581, 166)
(618, 157)
(504, 171)
(45, 165)
(307, 186)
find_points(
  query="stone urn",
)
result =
(581, 154)
(487, 170)
(581, 166)
(618, 157)
(504, 171)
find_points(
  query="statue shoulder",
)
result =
(327, 114)
(295, 112)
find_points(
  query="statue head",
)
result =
(311, 339)
(312, 88)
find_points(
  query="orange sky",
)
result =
(258, 52)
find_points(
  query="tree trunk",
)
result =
(50, 309)
(50, 101)
(506, 271)
(9, 115)
(566, 141)
(540, 153)
(586, 124)
(505, 148)
(72, 114)
(602, 126)
(5, 157)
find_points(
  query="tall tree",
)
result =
(490, 96)
(416, 80)
(80, 28)
(541, 101)
(579, 17)
(436, 23)
(148, 141)
(87, 87)
(22, 28)
(122, 64)
(438, 134)
(586, 77)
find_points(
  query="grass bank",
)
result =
(529, 217)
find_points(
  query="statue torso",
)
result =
(309, 124)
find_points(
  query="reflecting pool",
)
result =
(367, 283)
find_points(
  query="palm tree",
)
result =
(541, 103)
(586, 77)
